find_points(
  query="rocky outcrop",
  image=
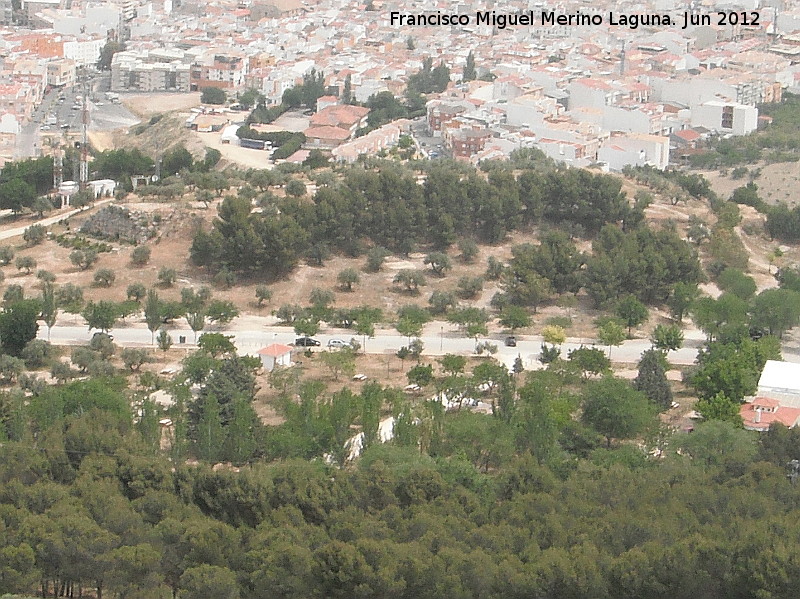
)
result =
(120, 224)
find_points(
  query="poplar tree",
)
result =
(240, 440)
(210, 434)
(152, 313)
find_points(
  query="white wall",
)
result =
(9, 124)
(709, 115)
(581, 96)
(618, 158)
(635, 150)
(84, 52)
(620, 119)
(523, 114)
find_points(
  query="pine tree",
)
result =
(470, 74)
(518, 366)
(652, 379)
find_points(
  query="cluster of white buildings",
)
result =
(588, 94)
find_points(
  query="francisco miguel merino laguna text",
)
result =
(503, 20)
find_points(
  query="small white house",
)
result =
(274, 355)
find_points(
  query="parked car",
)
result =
(336, 343)
(306, 342)
(511, 341)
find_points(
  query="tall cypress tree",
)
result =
(470, 73)
(347, 93)
(148, 425)
(652, 379)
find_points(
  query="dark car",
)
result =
(511, 341)
(306, 342)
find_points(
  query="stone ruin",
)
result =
(120, 224)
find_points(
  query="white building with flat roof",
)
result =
(781, 381)
(725, 117)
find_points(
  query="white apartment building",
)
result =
(134, 71)
(725, 117)
(84, 52)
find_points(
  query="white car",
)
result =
(336, 344)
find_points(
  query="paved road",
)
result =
(250, 341)
(103, 115)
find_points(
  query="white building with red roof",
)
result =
(777, 399)
(760, 413)
(274, 355)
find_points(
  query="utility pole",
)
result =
(83, 177)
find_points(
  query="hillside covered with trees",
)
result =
(527, 502)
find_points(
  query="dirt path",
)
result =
(46, 222)
(763, 277)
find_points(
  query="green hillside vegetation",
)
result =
(570, 486)
(526, 502)
(385, 207)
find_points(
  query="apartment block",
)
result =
(725, 117)
(61, 73)
(223, 71)
(467, 142)
(134, 71)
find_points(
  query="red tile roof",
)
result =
(275, 350)
(785, 415)
(688, 135)
(327, 132)
(765, 402)
(339, 116)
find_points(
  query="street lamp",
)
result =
(441, 337)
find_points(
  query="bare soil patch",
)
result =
(245, 157)
(776, 182)
(149, 104)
